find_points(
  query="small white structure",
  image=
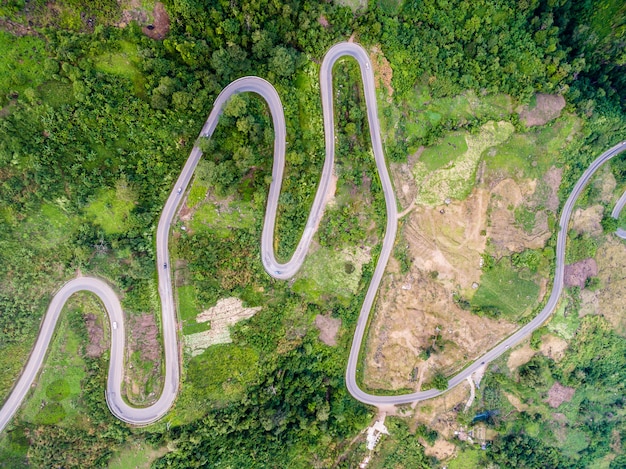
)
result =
(374, 432)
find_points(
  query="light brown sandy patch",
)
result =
(558, 394)
(552, 180)
(225, 313)
(605, 183)
(547, 107)
(442, 449)
(553, 347)
(516, 402)
(588, 220)
(520, 356)
(441, 412)
(382, 69)
(328, 327)
(95, 331)
(506, 237)
(403, 181)
(589, 302)
(611, 259)
(414, 308)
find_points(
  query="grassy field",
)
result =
(21, 67)
(111, 212)
(449, 149)
(136, 456)
(220, 221)
(57, 392)
(531, 154)
(505, 290)
(328, 273)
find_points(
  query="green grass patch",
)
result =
(56, 94)
(525, 218)
(197, 193)
(22, 65)
(136, 456)
(192, 327)
(531, 154)
(208, 217)
(457, 180)
(467, 459)
(449, 149)
(111, 212)
(503, 292)
(187, 302)
(562, 325)
(579, 247)
(328, 273)
(123, 63)
(222, 372)
(55, 397)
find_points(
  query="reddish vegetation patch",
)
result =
(548, 107)
(161, 25)
(559, 394)
(577, 274)
(96, 336)
(143, 336)
(323, 21)
(329, 327)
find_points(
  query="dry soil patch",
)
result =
(576, 274)
(97, 343)
(553, 347)
(520, 356)
(611, 259)
(442, 449)
(558, 394)
(588, 220)
(160, 24)
(143, 340)
(328, 327)
(548, 107)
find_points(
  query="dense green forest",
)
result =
(96, 121)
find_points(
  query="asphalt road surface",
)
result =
(147, 415)
(619, 206)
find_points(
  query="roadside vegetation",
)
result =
(96, 121)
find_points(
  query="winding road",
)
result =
(147, 415)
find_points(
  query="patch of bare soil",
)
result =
(382, 69)
(143, 377)
(17, 29)
(548, 107)
(520, 356)
(588, 220)
(441, 412)
(323, 21)
(558, 394)
(160, 25)
(553, 347)
(577, 274)
(404, 181)
(442, 449)
(611, 259)
(97, 344)
(132, 11)
(516, 402)
(417, 328)
(507, 196)
(328, 327)
(552, 180)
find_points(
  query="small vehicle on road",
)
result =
(165, 266)
(180, 189)
(114, 325)
(367, 65)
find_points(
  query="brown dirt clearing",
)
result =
(441, 412)
(143, 349)
(446, 252)
(576, 274)
(97, 343)
(161, 23)
(547, 107)
(588, 220)
(520, 356)
(553, 347)
(611, 259)
(328, 327)
(442, 449)
(558, 394)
